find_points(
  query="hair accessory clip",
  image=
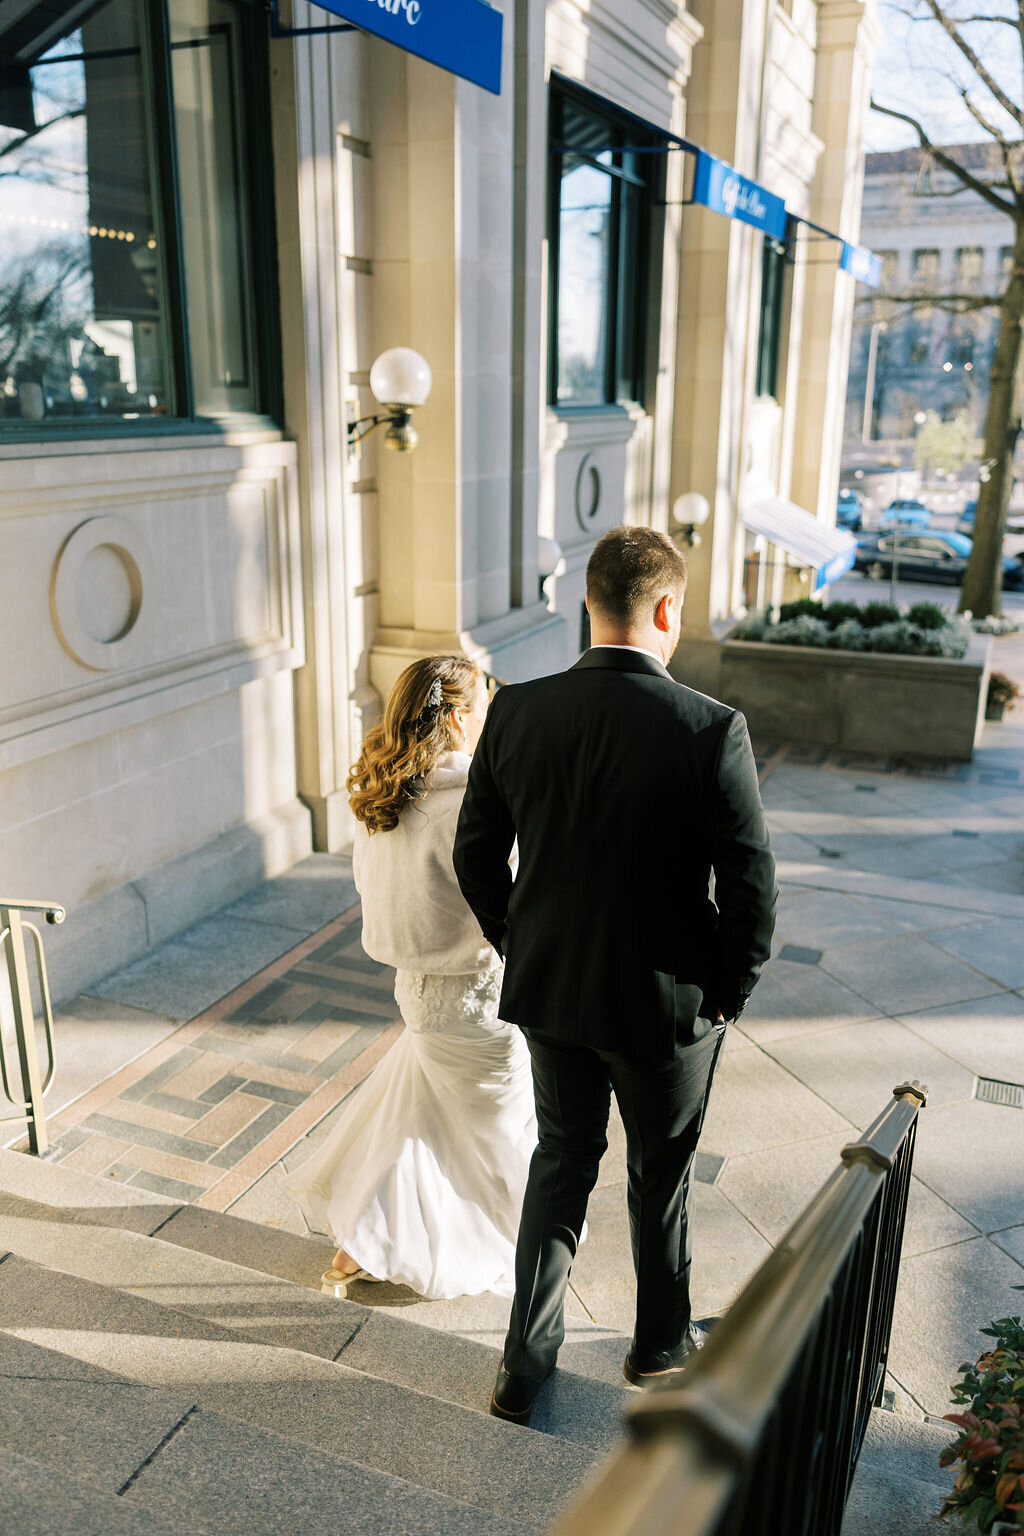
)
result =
(435, 698)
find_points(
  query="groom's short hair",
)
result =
(630, 569)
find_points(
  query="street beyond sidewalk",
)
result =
(213, 1065)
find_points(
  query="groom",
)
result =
(626, 791)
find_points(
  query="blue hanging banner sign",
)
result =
(461, 36)
(861, 264)
(718, 187)
(835, 567)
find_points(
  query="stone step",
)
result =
(512, 1472)
(582, 1404)
(899, 1485)
(259, 1307)
(589, 1350)
(100, 1202)
(40, 1499)
(112, 1458)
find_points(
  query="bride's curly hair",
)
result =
(416, 731)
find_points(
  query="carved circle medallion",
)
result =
(588, 492)
(97, 592)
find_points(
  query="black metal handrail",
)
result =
(764, 1430)
(28, 1100)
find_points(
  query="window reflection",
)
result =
(583, 275)
(82, 309)
(211, 155)
(600, 217)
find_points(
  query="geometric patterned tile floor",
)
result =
(202, 1115)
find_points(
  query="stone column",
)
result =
(445, 195)
(847, 38)
(724, 114)
(322, 159)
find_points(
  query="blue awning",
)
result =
(461, 36)
(718, 186)
(828, 551)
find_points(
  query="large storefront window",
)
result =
(600, 244)
(129, 268)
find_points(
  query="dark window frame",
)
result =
(256, 184)
(776, 260)
(626, 317)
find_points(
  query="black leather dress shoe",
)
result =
(513, 1396)
(645, 1373)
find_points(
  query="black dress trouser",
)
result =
(662, 1108)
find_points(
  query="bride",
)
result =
(421, 1180)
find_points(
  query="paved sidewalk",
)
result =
(899, 953)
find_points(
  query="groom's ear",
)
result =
(663, 613)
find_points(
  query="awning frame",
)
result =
(673, 143)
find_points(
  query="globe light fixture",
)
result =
(400, 380)
(690, 512)
(550, 560)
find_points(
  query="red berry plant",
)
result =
(990, 1485)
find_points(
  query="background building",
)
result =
(209, 236)
(930, 241)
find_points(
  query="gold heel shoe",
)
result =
(334, 1282)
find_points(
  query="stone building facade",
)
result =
(935, 239)
(206, 593)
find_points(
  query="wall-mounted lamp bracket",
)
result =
(401, 435)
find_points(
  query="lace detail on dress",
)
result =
(444, 1005)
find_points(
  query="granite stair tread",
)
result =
(111, 1458)
(459, 1452)
(39, 1499)
(265, 1309)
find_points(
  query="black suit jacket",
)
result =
(625, 790)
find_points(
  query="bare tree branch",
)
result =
(971, 21)
(1006, 147)
(960, 190)
(983, 122)
(991, 84)
(33, 133)
(952, 303)
(941, 158)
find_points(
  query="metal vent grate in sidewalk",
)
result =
(994, 1092)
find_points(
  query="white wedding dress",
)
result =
(421, 1180)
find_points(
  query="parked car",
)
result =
(926, 557)
(1014, 521)
(849, 511)
(905, 512)
(965, 522)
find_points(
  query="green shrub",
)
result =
(874, 614)
(928, 616)
(990, 1486)
(803, 630)
(850, 635)
(1002, 690)
(752, 627)
(1003, 625)
(798, 608)
(835, 614)
(896, 637)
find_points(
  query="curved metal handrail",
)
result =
(53, 910)
(692, 1448)
(12, 946)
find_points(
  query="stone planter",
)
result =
(913, 706)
